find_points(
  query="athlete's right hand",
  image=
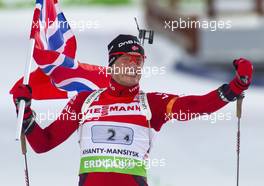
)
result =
(24, 92)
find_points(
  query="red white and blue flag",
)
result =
(55, 47)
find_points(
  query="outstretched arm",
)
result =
(167, 106)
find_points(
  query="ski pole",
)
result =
(238, 114)
(24, 152)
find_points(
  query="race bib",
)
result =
(112, 134)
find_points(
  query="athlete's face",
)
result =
(126, 70)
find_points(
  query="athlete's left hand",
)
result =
(243, 78)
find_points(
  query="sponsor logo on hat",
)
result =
(129, 42)
(134, 48)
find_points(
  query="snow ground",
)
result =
(196, 153)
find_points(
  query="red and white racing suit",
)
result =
(115, 139)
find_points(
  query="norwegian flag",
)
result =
(54, 52)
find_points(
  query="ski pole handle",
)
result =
(23, 144)
(239, 106)
(21, 110)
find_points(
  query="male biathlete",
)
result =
(118, 122)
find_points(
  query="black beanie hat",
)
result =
(124, 43)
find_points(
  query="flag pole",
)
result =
(22, 103)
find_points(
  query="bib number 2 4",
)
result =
(112, 134)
